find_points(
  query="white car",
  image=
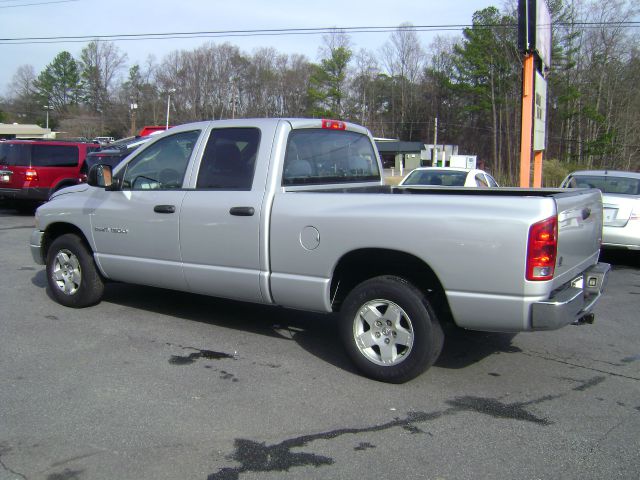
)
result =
(621, 202)
(449, 177)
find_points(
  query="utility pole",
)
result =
(169, 92)
(134, 107)
(434, 158)
(47, 108)
(233, 100)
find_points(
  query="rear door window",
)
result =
(229, 159)
(15, 154)
(481, 181)
(54, 156)
(317, 156)
(492, 181)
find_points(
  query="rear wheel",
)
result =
(390, 330)
(72, 275)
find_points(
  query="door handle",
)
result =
(164, 209)
(242, 211)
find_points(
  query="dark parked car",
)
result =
(113, 153)
(31, 170)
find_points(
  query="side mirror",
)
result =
(100, 176)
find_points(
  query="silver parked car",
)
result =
(449, 177)
(621, 202)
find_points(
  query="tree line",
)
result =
(471, 83)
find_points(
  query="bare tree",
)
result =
(294, 81)
(403, 58)
(364, 88)
(23, 93)
(332, 41)
(100, 62)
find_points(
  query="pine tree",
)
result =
(59, 84)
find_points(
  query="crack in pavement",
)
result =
(7, 469)
(566, 362)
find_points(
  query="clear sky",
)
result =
(54, 18)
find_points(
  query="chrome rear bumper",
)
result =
(571, 304)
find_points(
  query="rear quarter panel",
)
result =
(477, 246)
(473, 246)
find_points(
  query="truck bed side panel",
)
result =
(464, 242)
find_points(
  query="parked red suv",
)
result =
(31, 170)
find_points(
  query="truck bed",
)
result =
(427, 190)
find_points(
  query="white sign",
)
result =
(543, 32)
(540, 114)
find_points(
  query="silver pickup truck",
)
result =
(294, 212)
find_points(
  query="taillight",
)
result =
(31, 175)
(542, 249)
(334, 125)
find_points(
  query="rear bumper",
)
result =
(572, 303)
(25, 194)
(627, 237)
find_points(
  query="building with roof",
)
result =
(17, 130)
(401, 155)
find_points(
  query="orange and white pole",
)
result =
(526, 136)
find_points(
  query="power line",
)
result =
(251, 32)
(33, 4)
(284, 32)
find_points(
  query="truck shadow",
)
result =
(8, 209)
(621, 258)
(464, 347)
(316, 333)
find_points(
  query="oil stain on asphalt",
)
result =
(198, 354)
(258, 457)
(67, 474)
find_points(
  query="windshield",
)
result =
(607, 184)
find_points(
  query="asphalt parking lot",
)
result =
(153, 384)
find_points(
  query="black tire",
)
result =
(74, 280)
(401, 336)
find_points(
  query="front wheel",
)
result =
(74, 280)
(390, 330)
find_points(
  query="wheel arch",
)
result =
(63, 183)
(56, 230)
(359, 265)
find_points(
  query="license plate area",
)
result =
(610, 215)
(578, 282)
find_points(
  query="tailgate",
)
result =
(14, 160)
(579, 232)
(9, 178)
